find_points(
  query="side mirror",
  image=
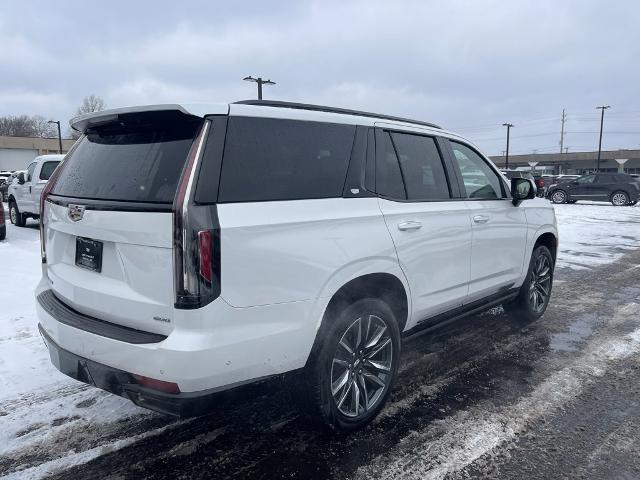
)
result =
(522, 189)
(21, 179)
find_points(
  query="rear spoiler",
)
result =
(83, 122)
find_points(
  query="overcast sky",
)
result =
(467, 65)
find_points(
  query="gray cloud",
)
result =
(468, 65)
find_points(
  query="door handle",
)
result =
(480, 219)
(411, 225)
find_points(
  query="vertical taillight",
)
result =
(196, 239)
(205, 254)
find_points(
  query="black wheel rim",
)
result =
(361, 367)
(540, 286)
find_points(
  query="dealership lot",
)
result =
(473, 398)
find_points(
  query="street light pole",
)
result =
(59, 135)
(260, 82)
(506, 156)
(603, 108)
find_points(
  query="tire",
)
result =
(17, 218)
(633, 203)
(339, 375)
(559, 196)
(619, 198)
(3, 232)
(529, 305)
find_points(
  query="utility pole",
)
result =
(260, 82)
(59, 135)
(506, 156)
(564, 118)
(566, 150)
(603, 108)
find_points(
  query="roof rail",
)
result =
(321, 108)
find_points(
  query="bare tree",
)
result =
(26, 126)
(42, 127)
(92, 103)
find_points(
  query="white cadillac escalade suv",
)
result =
(191, 249)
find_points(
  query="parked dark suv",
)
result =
(618, 188)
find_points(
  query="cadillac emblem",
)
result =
(76, 212)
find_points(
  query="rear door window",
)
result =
(137, 162)
(47, 170)
(421, 167)
(388, 175)
(278, 159)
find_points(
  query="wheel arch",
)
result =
(549, 240)
(383, 285)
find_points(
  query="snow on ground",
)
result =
(593, 234)
(590, 235)
(27, 377)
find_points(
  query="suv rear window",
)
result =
(136, 162)
(277, 159)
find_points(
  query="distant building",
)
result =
(576, 162)
(17, 152)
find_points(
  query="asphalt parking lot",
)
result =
(489, 396)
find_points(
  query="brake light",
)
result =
(196, 239)
(205, 250)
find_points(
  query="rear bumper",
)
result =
(123, 383)
(211, 349)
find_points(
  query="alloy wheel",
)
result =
(619, 199)
(540, 287)
(13, 215)
(558, 197)
(361, 366)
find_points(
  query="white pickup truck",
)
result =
(24, 191)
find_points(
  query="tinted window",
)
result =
(388, 176)
(47, 169)
(130, 163)
(277, 159)
(421, 167)
(622, 178)
(586, 180)
(480, 180)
